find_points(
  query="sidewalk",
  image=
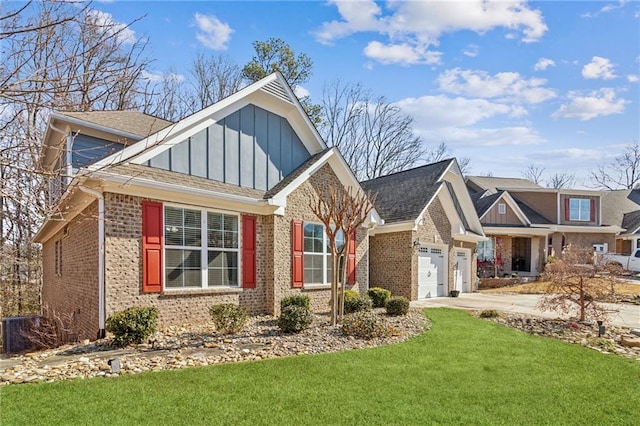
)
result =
(622, 314)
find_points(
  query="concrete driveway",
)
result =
(622, 314)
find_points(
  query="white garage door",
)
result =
(462, 271)
(431, 268)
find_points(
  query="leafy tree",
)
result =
(578, 283)
(622, 173)
(276, 55)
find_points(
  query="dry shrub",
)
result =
(51, 330)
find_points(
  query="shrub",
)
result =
(132, 325)
(364, 324)
(398, 305)
(295, 300)
(354, 302)
(229, 318)
(489, 313)
(379, 296)
(294, 319)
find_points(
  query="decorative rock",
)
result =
(636, 331)
(630, 341)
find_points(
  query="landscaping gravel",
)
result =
(196, 345)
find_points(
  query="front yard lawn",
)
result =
(540, 287)
(463, 371)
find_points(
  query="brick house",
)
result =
(526, 223)
(427, 244)
(622, 207)
(180, 216)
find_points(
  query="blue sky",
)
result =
(506, 84)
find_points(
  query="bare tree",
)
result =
(533, 172)
(213, 79)
(561, 180)
(442, 152)
(577, 285)
(622, 173)
(373, 135)
(56, 55)
(341, 211)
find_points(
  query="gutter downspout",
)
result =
(101, 254)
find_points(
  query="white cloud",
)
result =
(471, 50)
(108, 25)
(509, 86)
(402, 54)
(157, 77)
(212, 33)
(601, 102)
(605, 9)
(632, 78)
(598, 68)
(301, 92)
(415, 26)
(443, 111)
(543, 64)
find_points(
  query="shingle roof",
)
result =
(294, 174)
(169, 177)
(402, 196)
(495, 183)
(531, 214)
(631, 221)
(134, 122)
(616, 204)
(482, 204)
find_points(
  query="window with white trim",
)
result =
(486, 250)
(317, 254)
(502, 208)
(580, 209)
(201, 248)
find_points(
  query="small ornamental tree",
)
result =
(578, 284)
(340, 209)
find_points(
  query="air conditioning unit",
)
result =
(601, 248)
(13, 330)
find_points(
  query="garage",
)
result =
(432, 268)
(462, 270)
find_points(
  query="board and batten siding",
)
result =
(251, 147)
(87, 149)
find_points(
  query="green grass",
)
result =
(463, 371)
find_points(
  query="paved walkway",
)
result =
(622, 314)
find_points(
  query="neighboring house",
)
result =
(212, 209)
(622, 208)
(527, 223)
(426, 247)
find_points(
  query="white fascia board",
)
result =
(577, 229)
(516, 208)
(76, 201)
(93, 126)
(408, 225)
(507, 230)
(462, 194)
(178, 193)
(469, 237)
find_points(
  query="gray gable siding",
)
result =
(87, 149)
(251, 147)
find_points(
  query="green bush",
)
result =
(489, 313)
(295, 300)
(294, 319)
(379, 296)
(228, 317)
(364, 324)
(133, 325)
(354, 302)
(398, 305)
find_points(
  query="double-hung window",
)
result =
(201, 248)
(580, 209)
(317, 254)
(486, 250)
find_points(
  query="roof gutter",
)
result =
(101, 255)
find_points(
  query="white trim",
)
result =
(93, 126)
(469, 262)
(517, 231)
(514, 207)
(611, 229)
(408, 225)
(502, 208)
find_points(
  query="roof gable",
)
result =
(495, 183)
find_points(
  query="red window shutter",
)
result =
(592, 214)
(566, 209)
(297, 261)
(152, 246)
(351, 259)
(248, 252)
